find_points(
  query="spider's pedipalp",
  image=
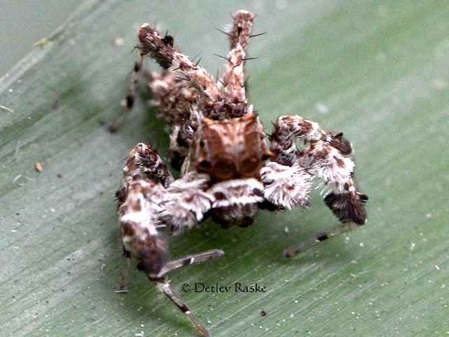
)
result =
(236, 201)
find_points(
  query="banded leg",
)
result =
(145, 163)
(323, 160)
(327, 156)
(162, 50)
(233, 79)
(141, 239)
(144, 178)
(339, 229)
(140, 205)
(174, 102)
(128, 103)
(163, 284)
(143, 190)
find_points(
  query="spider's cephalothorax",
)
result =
(231, 148)
(229, 168)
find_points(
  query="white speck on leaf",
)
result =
(321, 109)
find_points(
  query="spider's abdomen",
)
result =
(241, 215)
(235, 202)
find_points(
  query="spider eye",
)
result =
(204, 165)
(266, 156)
(202, 143)
(224, 169)
(249, 165)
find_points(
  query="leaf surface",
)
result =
(376, 70)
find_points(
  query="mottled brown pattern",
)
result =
(230, 149)
(241, 30)
(235, 215)
(160, 49)
(171, 97)
(151, 254)
(340, 143)
(348, 207)
(127, 229)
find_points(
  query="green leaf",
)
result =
(377, 70)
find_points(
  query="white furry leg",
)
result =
(286, 186)
(323, 160)
(185, 203)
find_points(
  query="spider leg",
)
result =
(125, 275)
(185, 203)
(190, 259)
(327, 156)
(339, 229)
(184, 94)
(164, 286)
(233, 79)
(174, 102)
(145, 163)
(141, 200)
(162, 50)
(325, 161)
(144, 179)
(128, 103)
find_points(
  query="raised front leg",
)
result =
(233, 79)
(162, 49)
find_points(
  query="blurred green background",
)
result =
(376, 70)
(26, 21)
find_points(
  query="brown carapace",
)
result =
(231, 148)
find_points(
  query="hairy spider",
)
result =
(228, 169)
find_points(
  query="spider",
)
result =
(229, 167)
